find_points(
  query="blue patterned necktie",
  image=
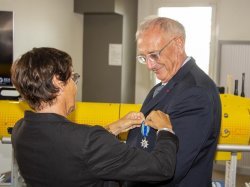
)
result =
(158, 89)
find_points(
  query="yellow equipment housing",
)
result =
(235, 127)
(235, 124)
(85, 113)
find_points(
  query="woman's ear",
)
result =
(58, 83)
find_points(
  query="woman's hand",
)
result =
(158, 120)
(129, 121)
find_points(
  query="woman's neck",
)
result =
(55, 108)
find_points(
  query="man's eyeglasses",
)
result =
(75, 77)
(154, 56)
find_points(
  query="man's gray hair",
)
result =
(168, 25)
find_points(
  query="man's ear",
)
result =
(180, 42)
(57, 83)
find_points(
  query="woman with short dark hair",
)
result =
(52, 151)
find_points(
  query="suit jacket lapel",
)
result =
(151, 102)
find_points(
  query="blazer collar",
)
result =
(152, 102)
(183, 71)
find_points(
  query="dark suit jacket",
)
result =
(193, 103)
(51, 151)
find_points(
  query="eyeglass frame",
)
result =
(75, 77)
(142, 59)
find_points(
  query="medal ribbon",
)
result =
(144, 129)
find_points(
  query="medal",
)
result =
(144, 131)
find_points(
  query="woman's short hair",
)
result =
(32, 75)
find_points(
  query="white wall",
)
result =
(40, 23)
(231, 23)
(233, 20)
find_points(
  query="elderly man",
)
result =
(187, 94)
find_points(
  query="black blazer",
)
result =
(52, 151)
(193, 103)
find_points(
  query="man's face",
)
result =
(161, 47)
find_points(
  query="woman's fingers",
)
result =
(158, 120)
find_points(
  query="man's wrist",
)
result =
(165, 129)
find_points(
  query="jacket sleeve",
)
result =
(191, 115)
(110, 159)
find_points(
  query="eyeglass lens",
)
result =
(75, 77)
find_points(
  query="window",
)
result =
(197, 22)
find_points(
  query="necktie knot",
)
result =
(157, 90)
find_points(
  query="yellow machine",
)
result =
(235, 127)
(86, 113)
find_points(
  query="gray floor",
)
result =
(240, 179)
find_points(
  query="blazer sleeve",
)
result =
(109, 159)
(191, 115)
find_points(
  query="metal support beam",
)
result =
(231, 165)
